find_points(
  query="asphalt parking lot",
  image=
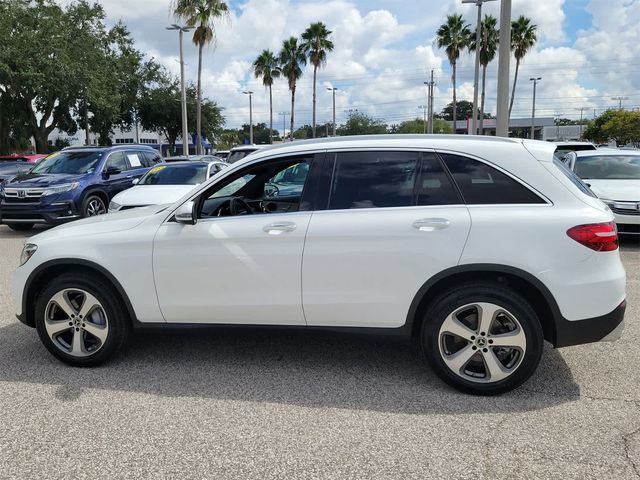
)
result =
(242, 404)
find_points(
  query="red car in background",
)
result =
(12, 165)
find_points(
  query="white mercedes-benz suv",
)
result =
(478, 248)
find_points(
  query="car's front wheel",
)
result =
(81, 320)
(93, 205)
(482, 338)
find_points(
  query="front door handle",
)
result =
(431, 224)
(279, 227)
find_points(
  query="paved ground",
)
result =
(283, 405)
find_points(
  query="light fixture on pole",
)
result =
(185, 130)
(333, 91)
(535, 81)
(424, 109)
(504, 57)
(250, 93)
(474, 115)
(620, 99)
(284, 123)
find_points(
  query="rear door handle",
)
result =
(279, 227)
(431, 224)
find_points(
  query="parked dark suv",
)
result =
(72, 183)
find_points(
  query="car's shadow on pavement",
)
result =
(308, 369)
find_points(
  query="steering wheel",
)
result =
(238, 206)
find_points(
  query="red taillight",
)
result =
(601, 237)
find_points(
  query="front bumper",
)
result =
(52, 214)
(607, 327)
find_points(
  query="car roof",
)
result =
(103, 148)
(606, 152)
(251, 147)
(576, 143)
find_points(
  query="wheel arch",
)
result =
(527, 285)
(95, 191)
(48, 270)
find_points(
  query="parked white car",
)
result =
(165, 183)
(479, 248)
(613, 175)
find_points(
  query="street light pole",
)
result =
(474, 118)
(558, 117)
(284, 123)
(581, 109)
(424, 109)
(535, 81)
(185, 132)
(504, 56)
(333, 91)
(250, 93)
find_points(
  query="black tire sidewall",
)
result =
(85, 204)
(499, 295)
(116, 316)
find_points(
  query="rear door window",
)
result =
(435, 186)
(481, 184)
(375, 179)
(117, 161)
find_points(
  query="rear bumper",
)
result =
(606, 327)
(52, 214)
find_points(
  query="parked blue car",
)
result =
(72, 183)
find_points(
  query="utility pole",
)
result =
(581, 109)
(474, 117)
(333, 91)
(284, 123)
(535, 81)
(504, 56)
(185, 130)
(620, 99)
(430, 84)
(424, 109)
(250, 93)
(558, 117)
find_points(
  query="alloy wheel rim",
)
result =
(76, 322)
(95, 207)
(482, 342)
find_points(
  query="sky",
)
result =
(587, 53)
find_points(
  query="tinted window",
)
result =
(136, 159)
(238, 155)
(611, 167)
(151, 158)
(481, 184)
(69, 162)
(175, 175)
(117, 161)
(573, 177)
(434, 186)
(373, 180)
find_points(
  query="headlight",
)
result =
(114, 206)
(27, 252)
(67, 187)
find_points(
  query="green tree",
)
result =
(292, 58)
(623, 126)
(316, 44)
(361, 124)
(595, 129)
(453, 36)
(489, 38)
(464, 110)
(417, 126)
(201, 14)
(306, 131)
(523, 38)
(262, 134)
(267, 67)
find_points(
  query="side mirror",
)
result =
(135, 181)
(186, 213)
(110, 171)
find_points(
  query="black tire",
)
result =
(20, 227)
(111, 302)
(89, 202)
(477, 292)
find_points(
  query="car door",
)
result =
(232, 267)
(115, 174)
(391, 220)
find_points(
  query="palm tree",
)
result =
(267, 67)
(523, 38)
(292, 58)
(453, 36)
(489, 36)
(200, 14)
(316, 44)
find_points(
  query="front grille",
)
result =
(21, 201)
(624, 211)
(21, 216)
(24, 193)
(127, 207)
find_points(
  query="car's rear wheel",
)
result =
(482, 339)
(20, 227)
(80, 319)
(93, 205)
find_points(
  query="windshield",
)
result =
(238, 155)
(175, 175)
(609, 167)
(69, 162)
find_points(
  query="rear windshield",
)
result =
(69, 163)
(238, 155)
(574, 178)
(609, 167)
(175, 175)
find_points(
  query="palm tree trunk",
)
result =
(513, 91)
(293, 104)
(455, 110)
(199, 104)
(270, 115)
(315, 70)
(484, 79)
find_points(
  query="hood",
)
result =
(36, 180)
(621, 190)
(111, 222)
(152, 194)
